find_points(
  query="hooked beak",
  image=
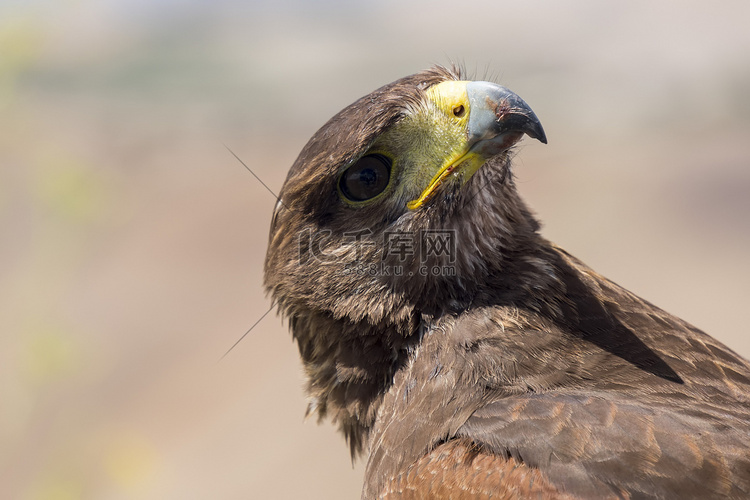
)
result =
(498, 119)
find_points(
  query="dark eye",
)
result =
(367, 178)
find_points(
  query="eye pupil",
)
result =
(367, 178)
(459, 111)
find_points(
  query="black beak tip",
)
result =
(534, 129)
(541, 136)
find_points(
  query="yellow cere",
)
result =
(449, 95)
(451, 98)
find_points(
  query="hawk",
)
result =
(463, 353)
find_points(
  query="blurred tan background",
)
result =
(132, 242)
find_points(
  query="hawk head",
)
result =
(400, 208)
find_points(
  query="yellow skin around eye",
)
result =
(429, 146)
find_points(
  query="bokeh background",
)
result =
(132, 241)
